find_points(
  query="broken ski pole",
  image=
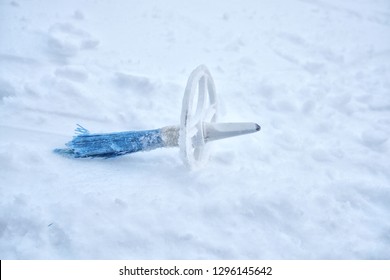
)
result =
(198, 126)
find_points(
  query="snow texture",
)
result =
(313, 184)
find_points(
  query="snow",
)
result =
(314, 183)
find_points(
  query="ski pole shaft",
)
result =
(115, 144)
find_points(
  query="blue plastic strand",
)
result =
(111, 144)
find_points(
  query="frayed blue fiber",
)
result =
(81, 130)
(109, 145)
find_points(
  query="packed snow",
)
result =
(314, 183)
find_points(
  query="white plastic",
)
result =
(217, 131)
(199, 107)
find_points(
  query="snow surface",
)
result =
(314, 183)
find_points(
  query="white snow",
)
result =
(314, 183)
